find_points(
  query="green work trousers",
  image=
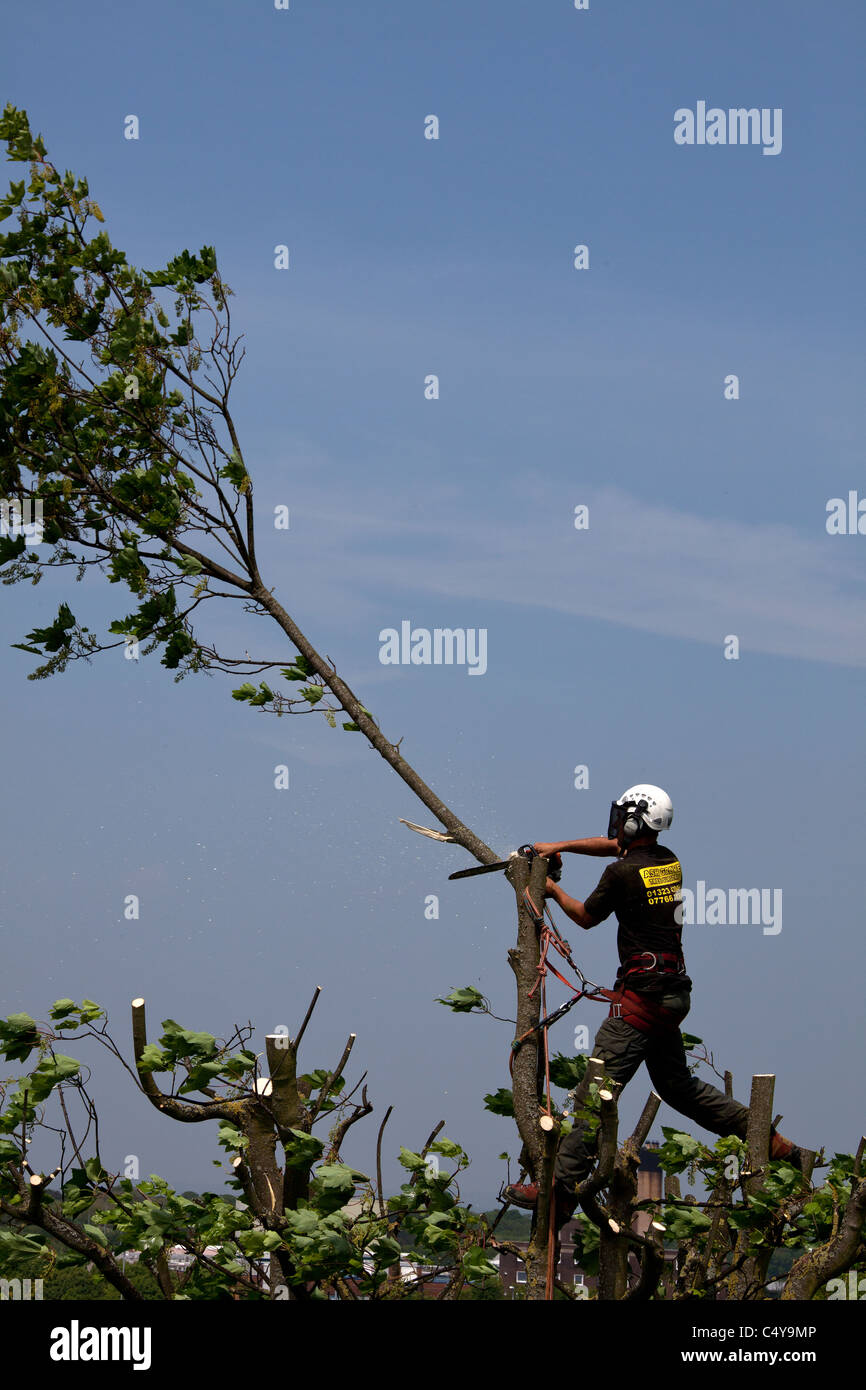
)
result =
(622, 1048)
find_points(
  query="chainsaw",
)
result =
(529, 852)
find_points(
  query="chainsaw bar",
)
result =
(482, 869)
(525, 852)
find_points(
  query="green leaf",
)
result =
(61, 1008)
(184, 1042)
(90, 1010)
(17, 1251)
(10, 548)
(94, 1170)
(50, 1072)
(190, 564)
(244, 692)
(385, 1251)
(299, 670)
(319, 1078)
(414, 1162)
(230, 1137)
(684, 1222)
(67, 1014)
(252, 1243)
(263, 696)
(303, 1150)
(500, 1102)
(202, 1075)
(567, 1072)
(464, 1001)
(154, 1059)
(477, 1264)
(447, 1147)
(679, 1150)
(333, 1186)
(127, 565)
(236, 473)
(18, 1037)
(53, 638)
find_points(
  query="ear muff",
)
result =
(633, 825)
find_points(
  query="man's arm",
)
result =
(572, 907)
(598, 845)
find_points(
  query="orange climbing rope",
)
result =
(586, 989)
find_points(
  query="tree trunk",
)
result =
(539, 1145)
(746, 1281)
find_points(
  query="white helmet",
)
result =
(641, 804)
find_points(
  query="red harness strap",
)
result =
(640, 1012)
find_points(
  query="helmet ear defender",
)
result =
(633, 824)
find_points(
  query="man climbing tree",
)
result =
(652, 992)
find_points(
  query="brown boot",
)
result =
(526, 1195)
(521, 1194)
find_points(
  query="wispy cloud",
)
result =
(641, 565)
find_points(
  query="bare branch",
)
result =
(307, 1016)
(379, 1187)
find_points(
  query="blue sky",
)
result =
(557, 387)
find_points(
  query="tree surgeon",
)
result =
(652, 992)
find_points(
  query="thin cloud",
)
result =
(643, 566)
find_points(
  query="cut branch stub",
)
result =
(139, 1043)
(758, 1130)
(169, 1105)
(638, 1137)
(37, 1191)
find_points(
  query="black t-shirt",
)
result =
(643, 889)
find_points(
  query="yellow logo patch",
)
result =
(662, 874)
